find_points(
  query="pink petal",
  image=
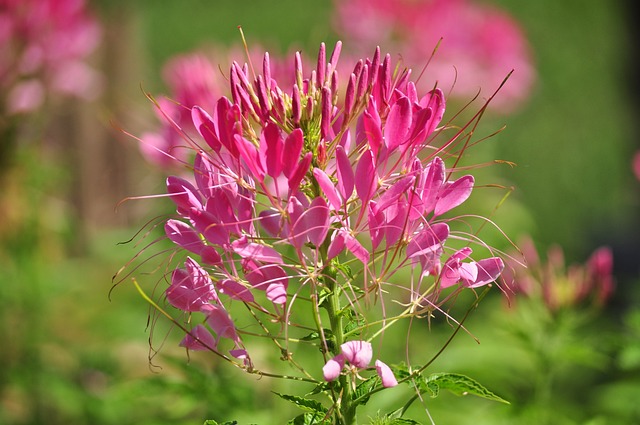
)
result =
(386, 375)
(344, 173)
(453, 194)
(356, 248)
(333, 367)
(337, 244)
(277, 293)
(219, 320)
(205, 126)
(235, 290)
(488, 271)
(199, 339)
(183, 194)
(255, 251)
(432, 184)
(394, 192)
(366, 178)
(327, 187)
(299, 172)
(316, 220)
(274, 147)
(291, 152)
(251, 157)
(358, 353)
(397, 125)
(372, 123)
(184, 235)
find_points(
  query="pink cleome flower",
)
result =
(290, 181)
(44, 45)
(480, 44)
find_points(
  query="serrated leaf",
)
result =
(321, 387)
(461, 385)
(309, 419)
(364, 389)
(305, 404)
(212, 422)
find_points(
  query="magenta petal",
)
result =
(292, 150)
(210, 256)
(337, 245)
(183, 194)
(316, 220)
(251, 157)
(386, 375)
(344, 173)
(397, 125)
(199, 339)
(453, 194)
(205, 126)
(331, 370)
(366, 178)
(432, 184)
(190, 288)
(219, 320)
(488, 270)
(356, 248)
(358, 353)
(255, 251)
(394, 192)
(271, 222)
(299, 172)
(184, 235)
(428, 240)
(327, 187)
(235, 290)
(371, 123)
(277, 293)
(274, 147)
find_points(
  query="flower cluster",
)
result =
(304, 204)
(43, 47)
(480, 44)
(291, 182)
(557, 285)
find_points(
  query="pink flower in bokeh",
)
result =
(44, 45)
(557, 285)
(480, 44)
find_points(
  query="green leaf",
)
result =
(320, 388)
(460, 385)
(403, 421)
(212, 422)
(364, 389)
(309, 419)
(305, 404)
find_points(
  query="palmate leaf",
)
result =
(459, 385)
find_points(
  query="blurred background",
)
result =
(74, 351)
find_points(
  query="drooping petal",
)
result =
(220, 322)
(358, 353)
(386, 375)
(394, 192)
(199, 339)
(190, 288)
(277, 293)
(356, 248)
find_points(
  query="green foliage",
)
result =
(305, 404)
